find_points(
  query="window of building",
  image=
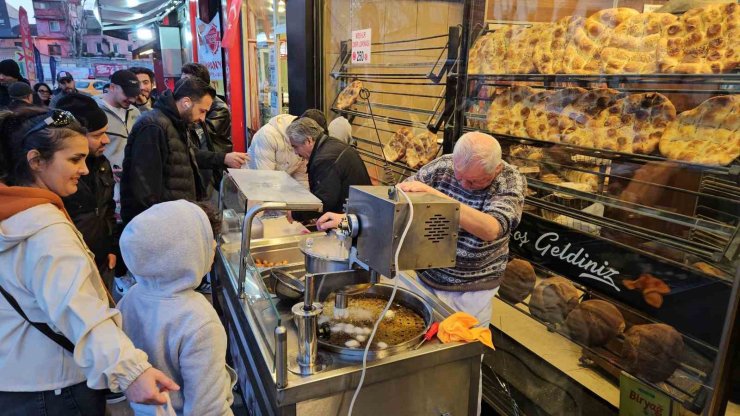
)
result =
(40, 5)
(115, 48)
(100, 47)
(54, 26)
(130, 48)
(84, 48)
(55, 50)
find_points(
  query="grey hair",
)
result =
(476, 147)
(301, 129)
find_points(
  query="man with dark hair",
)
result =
(92, 208)
(159, 163)
(317, 116)
(10, 72)
(21, 95)
(213, 136)
(144, 101)
(65, 85)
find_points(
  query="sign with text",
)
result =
(209, 51)
(27, 45)
(106, 70)
(638, 399)
(361, 42)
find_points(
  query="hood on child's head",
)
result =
(169, 247)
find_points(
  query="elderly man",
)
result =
(333, 166)
(491, 196)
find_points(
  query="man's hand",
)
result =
(111, 261)
(235, 160)
(148, 387)
(328, 221)
(416, 186)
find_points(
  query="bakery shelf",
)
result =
(732, 170)
(613, 79)
(670, 90)
(386, 119)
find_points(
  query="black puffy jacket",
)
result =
(159, 161)
(333, 167)
(92, 209)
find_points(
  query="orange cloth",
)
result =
(459, 327)
(14, 199)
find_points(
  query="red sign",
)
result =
(27, 44)
(231, 32)
(106, 70)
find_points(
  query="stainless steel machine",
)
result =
(283, 366)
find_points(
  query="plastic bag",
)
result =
(154, 410)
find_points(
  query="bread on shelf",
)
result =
(518, 281)
(553, 299)
(652, 351)
(651, 287)
(594, 323)
(348, 97)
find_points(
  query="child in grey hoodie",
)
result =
(169, 248)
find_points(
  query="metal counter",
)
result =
(436, 379)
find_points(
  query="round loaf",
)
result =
(594, 322)
(652, 351)
(553, 299)
(518, 281)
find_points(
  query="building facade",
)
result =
(59, 27)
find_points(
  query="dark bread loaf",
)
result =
(518, 282)
(652, 351)
(594, 322)
(553, 299)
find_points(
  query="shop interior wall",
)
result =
(390, 21)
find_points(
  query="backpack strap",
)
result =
(60, 339)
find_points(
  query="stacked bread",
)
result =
(416, 150)
(631, 123)
(617, 41)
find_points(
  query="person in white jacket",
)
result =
(271, 150)
(169, 248)
(48, 277)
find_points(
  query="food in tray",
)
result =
(709, 269)
(633, 46)
(544, 120)
(590, 180)
(652, 288)
(395, 149)
(551, 178)
(587, 106)
(703, 40)
(594, 322)
(709, 133)
(553, 299)
(634, 124)
(266, 263)
(652, 351)
(576, 186)
(589, 36)
(504, 114)
(518, 281)
(523, 156)
(349, 95)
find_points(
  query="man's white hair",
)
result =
(476, 147)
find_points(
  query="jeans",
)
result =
(77, 400)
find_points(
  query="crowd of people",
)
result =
(107, 228)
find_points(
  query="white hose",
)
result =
(387, 306)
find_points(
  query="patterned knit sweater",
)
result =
(479, 264)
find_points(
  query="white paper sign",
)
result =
(361, 40)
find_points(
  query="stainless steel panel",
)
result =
(431, 241)
(273, 186)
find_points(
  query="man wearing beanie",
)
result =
(92, 208)
(21, 95)
(10, 72)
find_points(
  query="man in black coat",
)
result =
(333, 166)
(10, 72)
(92, 208)
(159, 161)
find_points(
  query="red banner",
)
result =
(106, 70)
(231, 31)
(27, 44)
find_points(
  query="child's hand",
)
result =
(148, 387)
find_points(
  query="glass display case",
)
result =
(624, 118)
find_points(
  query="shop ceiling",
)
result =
(129, 14)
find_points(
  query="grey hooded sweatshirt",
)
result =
(118, 131)
(169, 248)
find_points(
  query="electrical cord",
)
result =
(387, 306)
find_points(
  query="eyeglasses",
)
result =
(40, 91)
(57, 119)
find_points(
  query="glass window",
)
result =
(54, 26)
(55, 50)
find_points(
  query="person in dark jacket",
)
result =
(42, 94)
(333, 166)
(21, 95)
(214, 136)
(92, 208)
(10, 72)
(159, 160)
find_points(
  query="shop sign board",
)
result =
(209, 51)
(361, 45)
(601, 265)
(638, 399)
(27, 45)
(106, 70)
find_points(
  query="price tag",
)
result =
(361, 41)
(638, 399)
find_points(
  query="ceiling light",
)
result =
(132, 3)
(147, 52)
(137, 15)
(281, 3)
(144, 34)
